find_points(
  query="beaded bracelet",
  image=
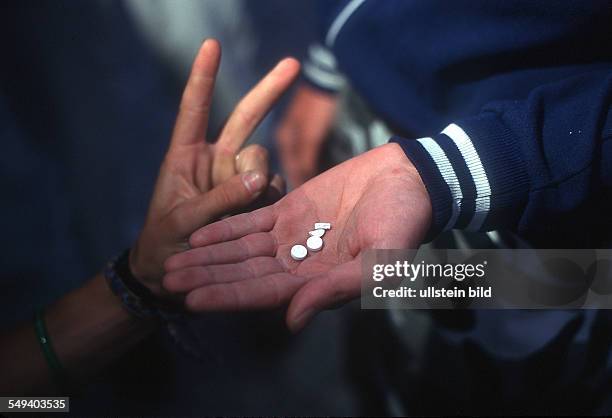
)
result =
(135, 297)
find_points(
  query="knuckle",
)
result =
(207, 275)
(225, 152)
(253, 154)
(260, 152)
(244, 248)
(246, 117)
(190, 105)
(250, 269)
(225, 196)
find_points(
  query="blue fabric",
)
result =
(530, 84)
(534, 74)
(81, 145)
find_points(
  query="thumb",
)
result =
(235, 193)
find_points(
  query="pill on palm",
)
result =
(314, 243)
(322, 225)
(317, 233)
(298, 252)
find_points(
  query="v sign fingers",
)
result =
(248, 114)
(185, 197)
(192, 119)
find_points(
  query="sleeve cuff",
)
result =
(474, 174)
(321, 70)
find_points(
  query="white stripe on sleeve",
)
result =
(474, 164)
(448, 174)
(322, 57)
(340, 20)
(332, 81)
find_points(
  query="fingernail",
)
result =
(253, 181)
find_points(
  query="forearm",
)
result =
(88, 328)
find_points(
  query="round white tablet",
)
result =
(298, 252)
(314, 243)
(317, 233)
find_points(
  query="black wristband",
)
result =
(150, 300)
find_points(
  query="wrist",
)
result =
(474, 174)
(135, 296)
(400, 166)
(396, 160)
(139, 271)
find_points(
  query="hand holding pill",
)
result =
(375, 200)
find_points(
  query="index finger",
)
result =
(251, 110)
(192, 120)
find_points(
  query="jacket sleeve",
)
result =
(524, 165)
(320, 69)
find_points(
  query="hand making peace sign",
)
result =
(199, 181)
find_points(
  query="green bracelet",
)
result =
(53, 362)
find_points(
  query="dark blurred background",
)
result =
(88, 94)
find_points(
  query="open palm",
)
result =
(376, 200)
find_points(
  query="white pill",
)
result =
(314, 243)
(298, 252)
(317, 233)
(322, 225)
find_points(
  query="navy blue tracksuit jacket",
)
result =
(504, 108)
